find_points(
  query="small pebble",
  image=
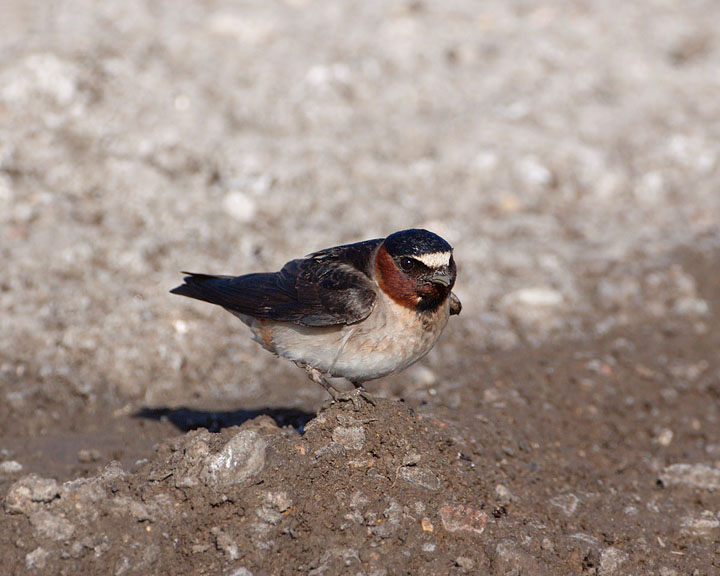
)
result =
(568, 503)
(242, 457)
(692, 475)
(547, 545)
(240, 206)
(351, 437)
(420, 476)
(87, 456)
(704, 524)
(36, 559)
(10, 467)
(665, 437)
(610, 560)
(459, 518)
(503, 495)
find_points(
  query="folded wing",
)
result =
(328, 288)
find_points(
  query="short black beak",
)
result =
(442, 278)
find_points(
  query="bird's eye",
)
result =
(407, 264)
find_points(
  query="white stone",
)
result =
(701, 525)
(43, 74)
(351, 437)
(610, 560)
(240, 459)
(37, 558)
(534, 297)
(242, 571)
(242, 27)
(10, 467)
(665, 437)
(568, 503)
(240, 206)
(420, 476)
(534, 172)
(693, 475)
(180, 326)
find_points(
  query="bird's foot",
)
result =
(350, 396)
(337, 396)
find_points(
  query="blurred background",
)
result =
(568, 150)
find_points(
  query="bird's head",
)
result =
(416, 269)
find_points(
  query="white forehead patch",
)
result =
(435, 259)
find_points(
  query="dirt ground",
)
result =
(566, 423)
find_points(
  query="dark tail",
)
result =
(252, 294)
(205, 287)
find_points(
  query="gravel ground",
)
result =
(566, 423)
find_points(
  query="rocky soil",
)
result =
(567, 422)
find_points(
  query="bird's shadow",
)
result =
(186, 419)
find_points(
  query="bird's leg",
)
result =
(337, 396)
(319, 378)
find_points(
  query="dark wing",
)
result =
(329, 287)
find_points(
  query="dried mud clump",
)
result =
(353, 490)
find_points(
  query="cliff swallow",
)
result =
(358, 311)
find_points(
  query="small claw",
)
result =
(368, 397)
(351, 396)
(355, 400)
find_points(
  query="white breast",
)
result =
(389, 340)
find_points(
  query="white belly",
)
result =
(389, 340)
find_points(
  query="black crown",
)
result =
(415, 242)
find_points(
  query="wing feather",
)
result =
(327, 288)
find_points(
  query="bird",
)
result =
(357, 311)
